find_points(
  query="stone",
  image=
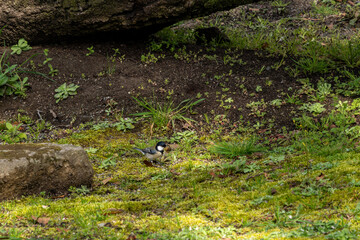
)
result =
(27, 169)
(53, 20)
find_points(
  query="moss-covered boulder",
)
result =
(33, 168)
(49, 20)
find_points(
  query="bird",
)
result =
(153, 153)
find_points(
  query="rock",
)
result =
(51, 20)
(33, 168)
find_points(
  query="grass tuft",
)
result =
(164, 115)
(237, 147)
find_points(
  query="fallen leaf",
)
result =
(62, 230)
(60, 196)
(113, 211)
(41, 220)
(131, 237)
(175, 173)
(321, 176)
(105, 181)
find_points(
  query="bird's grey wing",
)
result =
(149, 150)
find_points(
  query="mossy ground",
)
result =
(190, 196)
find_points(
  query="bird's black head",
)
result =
(160, 146)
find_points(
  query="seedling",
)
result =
(21, 46)
(64, 91)
(91, 50)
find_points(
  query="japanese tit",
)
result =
(153, 153)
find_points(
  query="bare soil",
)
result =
(102, 80)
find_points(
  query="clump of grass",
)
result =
(164, 115)
(237, 147)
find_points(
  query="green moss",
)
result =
(184, 193)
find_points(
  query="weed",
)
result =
(83, 190)
(276, 102)
(323, 90)
(237, 147)
(280, 6)
(257, 108)
(151, 58)
(39, 127)
(90, 50)
(258, 88)
(318, 228)
(124, 124)
(20, 47)
(238, 166)
(64, 91)
(165, 115)
(48, 59)
(294, 99)
(53, 72)
(107, 163)
(346, 51)
(314, 108)
(11, 133)
(313, 65)
(348, 88)
(10, 81)
(186, 139)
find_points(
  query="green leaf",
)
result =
(22, 136)
(9, 126)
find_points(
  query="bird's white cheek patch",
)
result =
(160, 148)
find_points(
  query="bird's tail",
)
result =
(138, 149)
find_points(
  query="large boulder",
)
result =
(49, 20)
(33, 168)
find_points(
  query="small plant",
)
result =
(64, 91)
(237, 166)
(276, 102)
(165, 115)
(124, 124)
(323, 90)
(10, 81)
(151, 58)
(280, 6)
(53, 72)
(11, 134)
(348, 88)
(186, 139)
(83, 190)
(21, 46)
(107, 163)
(257, 108)
(258, 88)
(313, 65)
(237, 147)
(347, 51)
(315, 108)
(91, 50)
(48, 59)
